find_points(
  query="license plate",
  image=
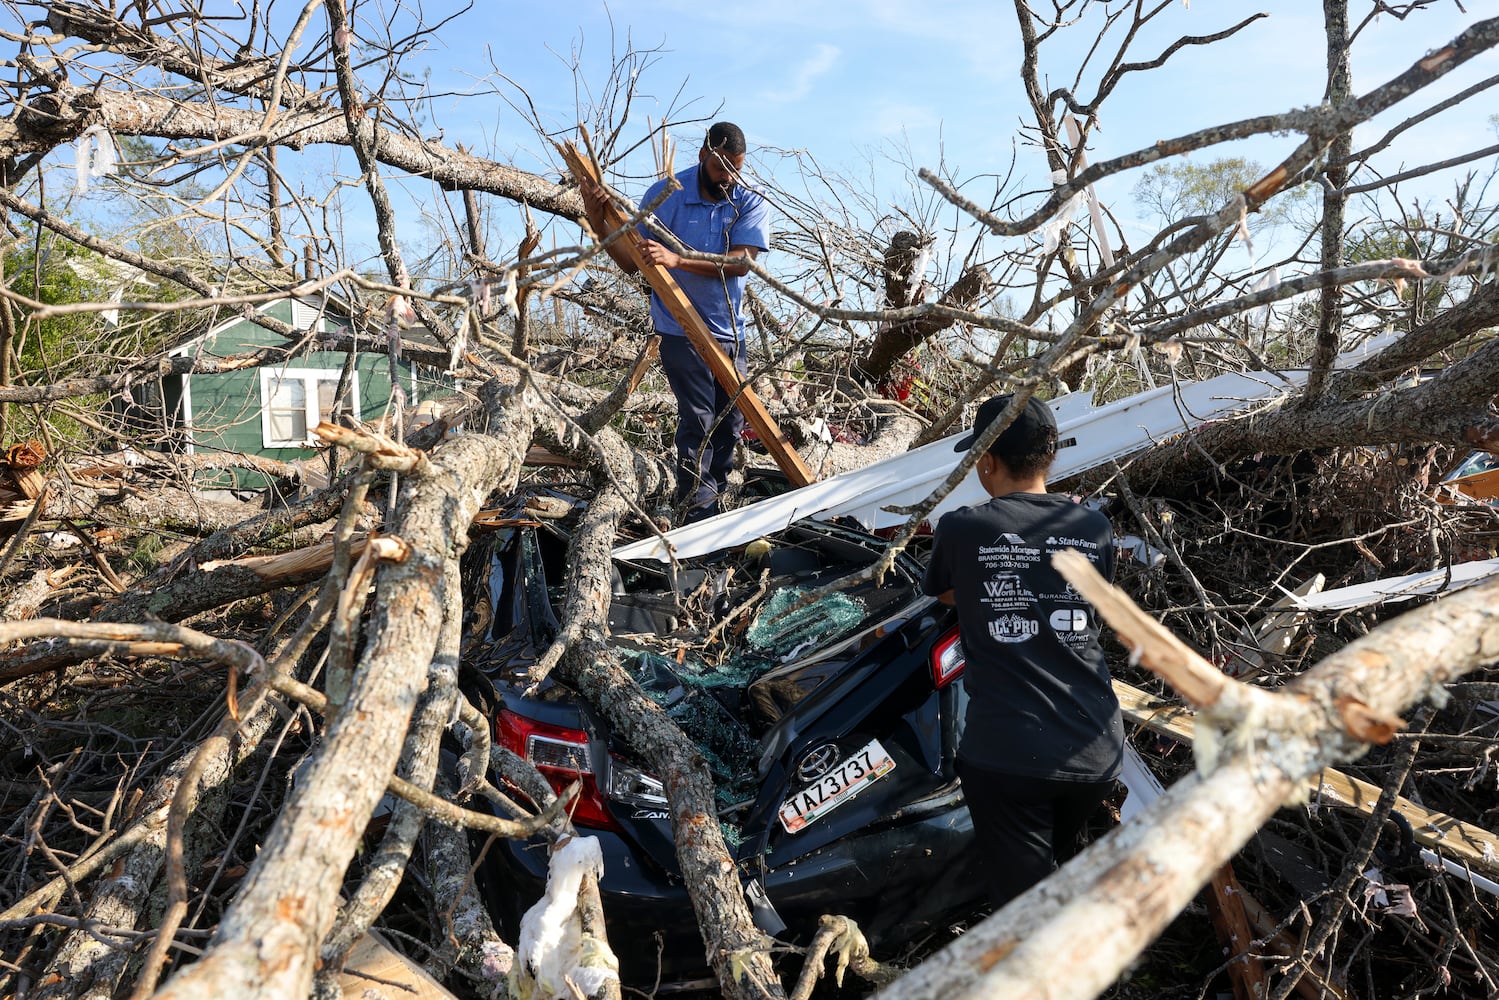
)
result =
(836, 787)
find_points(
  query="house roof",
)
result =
(317, 304)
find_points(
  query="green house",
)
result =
(271, 411)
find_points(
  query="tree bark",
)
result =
(1454, 407)
(266, 945)
(1339, 90)
(466, 938)
(1076, 932)
(1474, 314)
(140, 112)
(897, 340)
(163, 507)
(386, 865)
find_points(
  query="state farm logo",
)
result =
(1069, 620)
(1012, 628)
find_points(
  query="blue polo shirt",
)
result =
(708, 227)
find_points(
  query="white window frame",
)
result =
(271, 378)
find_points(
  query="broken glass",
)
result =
(684, 692)
(707, 699)
(786, 631)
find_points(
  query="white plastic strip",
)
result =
(1399, 588)
(1103, 433)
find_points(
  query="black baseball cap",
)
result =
(1035, 419)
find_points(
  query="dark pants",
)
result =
(1025, 827)
(708, 425)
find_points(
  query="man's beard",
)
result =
(717, 189)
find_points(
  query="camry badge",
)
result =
(815, 763)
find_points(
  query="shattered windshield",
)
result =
(728, 644)
(707, 698)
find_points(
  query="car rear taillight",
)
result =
(947, 659)
(561, 755)
(635, 787)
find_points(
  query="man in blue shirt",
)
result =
(711, 213)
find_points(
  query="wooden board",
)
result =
(681, 308)
(1316, 983)
(1225, 899)
(1481, 486)
(383, 969)
(1473, 845)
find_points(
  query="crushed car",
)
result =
(830, 731)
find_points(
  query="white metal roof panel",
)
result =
(1103, 433)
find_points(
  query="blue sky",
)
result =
(841, 79)
(873, 89)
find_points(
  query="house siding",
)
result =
(226, 407)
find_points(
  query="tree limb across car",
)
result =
(243, 712)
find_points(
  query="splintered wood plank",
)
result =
(1225, 901)
(647, 358)
(1316, 983)
(372, 964)
(1473, 845)
(23, 460)
(681, 308)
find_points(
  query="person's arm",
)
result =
(594, 200)
(660, 253)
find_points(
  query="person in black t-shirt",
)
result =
(1042, 741)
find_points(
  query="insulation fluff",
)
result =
(96, 156)
(553, 949)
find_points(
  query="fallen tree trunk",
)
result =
(1076, 932)
(140, 112)
(386, 865)
(1448, 328)
(738, 952)
(466, 938)
(163, 507)
(1453, 407)
(267, 942)
(898, 340)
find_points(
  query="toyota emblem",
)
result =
(815, 763)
